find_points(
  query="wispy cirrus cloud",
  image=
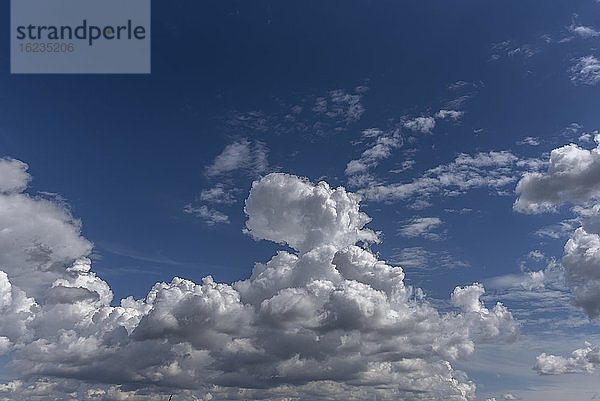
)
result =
(423, 227)
(585, 71)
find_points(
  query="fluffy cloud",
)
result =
(582, 360)
(327, 321)
(582, 263)
(484, 324)
(573, 176)
(13, 175)
(286, 209)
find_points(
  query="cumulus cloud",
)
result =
(304, 215)
(582, 263)
(586, 71)
(326, 320)
(582, 360)
(13, 175)
(573, 175)
(484, 324)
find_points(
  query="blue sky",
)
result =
(442, 106)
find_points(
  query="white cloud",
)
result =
(586, 32)
(492, 169)
(450, 114)
(13, 175)
(208, 215)
(529, 140)
(582, 360)
(244, 156)
(421, 227)
(304, 215)
(424, 124)
(483, 323)
(586, 71)
(572, 176)
(218, 194)
(582, 263)
(327, 321)
(420, 258)
(380, 149)
(250, 156)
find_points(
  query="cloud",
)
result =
(582, 360)
(586, 32)
(421, 227)
(246, 155)
(449, 114)
(304, 215)
(13, 175)
(424, 124)
(208, 215)
(507, 49)
(586, 71)
(316, 114)
(486, 169)
(573, 176)
(530, 140)
(582, 261)
(325, 321)
(341, 106)
(418, 257)
(484, 324)
(219, 194)
(380, 149)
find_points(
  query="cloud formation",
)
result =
(586, 71)
(421, 227)
(326, 321)
(243, 156)
(573, 176)
(582, 360)
(485, 169)
(250, 156)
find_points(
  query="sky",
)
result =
(341, 200)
